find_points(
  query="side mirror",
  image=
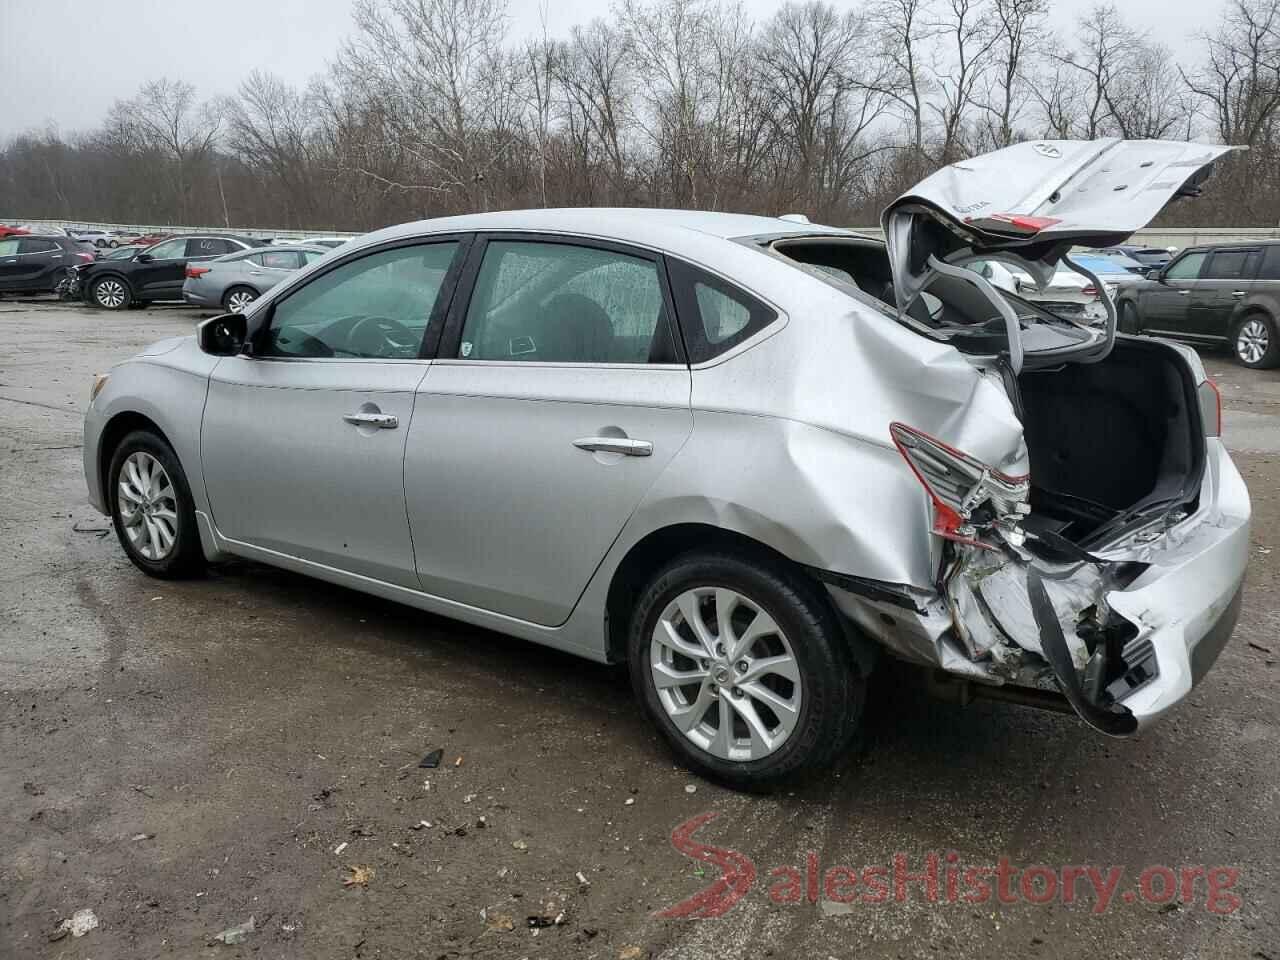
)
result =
(1156, 274)
(223, 336)
(144, 258)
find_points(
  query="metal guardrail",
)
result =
(1151, 236)
(145, 228)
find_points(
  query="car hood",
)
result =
(1032, 202)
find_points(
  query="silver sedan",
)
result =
(746, 456)
(236, 280)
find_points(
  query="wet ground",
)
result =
(181, 757)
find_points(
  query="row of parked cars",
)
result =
(209, 270)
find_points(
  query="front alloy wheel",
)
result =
(111, 294)
(151, 507)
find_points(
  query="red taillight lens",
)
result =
(959, 485)
(195, 272)
(1089, 291)
(1210, 407)
(86, 257)
(1012, 223)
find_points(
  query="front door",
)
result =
(1164, 306)
(164, 272)
(303, 441)
(557, 400)
(1224, 282)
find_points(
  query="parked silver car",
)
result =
(236, 280)
(745, 455)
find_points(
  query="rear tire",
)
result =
(237, 298)
(111, 293)
(791, 695)
(1255, 342)
(152, 509)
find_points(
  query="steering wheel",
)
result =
(381, 337)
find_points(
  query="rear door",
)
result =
(10, 265)
(1226, 280)
(557, 398)
(37, 259)
(1165, 304)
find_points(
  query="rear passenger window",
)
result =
(1270, 263)
(561, 303)
(1232, 265)
(714, 314)
(279, 259)
(36, 245)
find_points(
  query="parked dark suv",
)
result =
(157, 273)
(30, 264)
(1222, 295)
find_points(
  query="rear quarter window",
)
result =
(715, 315)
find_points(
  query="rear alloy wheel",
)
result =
(151, 508)
(744, 670)
(111, 293)
(1255, 343)
(238, 298)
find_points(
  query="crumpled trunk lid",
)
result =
(1032, 201)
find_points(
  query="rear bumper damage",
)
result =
(1122, 636)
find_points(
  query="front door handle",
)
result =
(384, 421)
(1237, 294)
(622, 445)
(1184, 293)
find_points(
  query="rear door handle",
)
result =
(622, 445)
(1237, 294)
(385, 421)
(1184, 293)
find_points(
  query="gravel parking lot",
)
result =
(180, 757)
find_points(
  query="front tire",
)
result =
(744, 669)
(1255, 343)
(111, 293)
(152, 509)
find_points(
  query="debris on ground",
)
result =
(432, 759)
(582, 880)
(629, 801)
(31, 790)
(236, 934)
(142, 836)
(630, 953)
(420, 824)
(540, 920)
(689, 788)
(458, 762)
(1258, 646)
(519, 845)
(80, 923)
(500, 921)
(360, 876)
(340, 847)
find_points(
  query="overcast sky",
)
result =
(63, 62)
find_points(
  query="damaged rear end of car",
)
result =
(1089, 552)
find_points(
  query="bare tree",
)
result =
(905, 31)
(968, 35)
(1019, 32)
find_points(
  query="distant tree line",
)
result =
(432, 109)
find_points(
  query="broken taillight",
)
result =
(1210, 407)
(969, 498)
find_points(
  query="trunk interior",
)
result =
(1111, 441)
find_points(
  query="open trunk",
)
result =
(1112, 442)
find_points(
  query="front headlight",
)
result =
(99, 381)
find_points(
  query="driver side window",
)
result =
(375, 307)
(1186, 268)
